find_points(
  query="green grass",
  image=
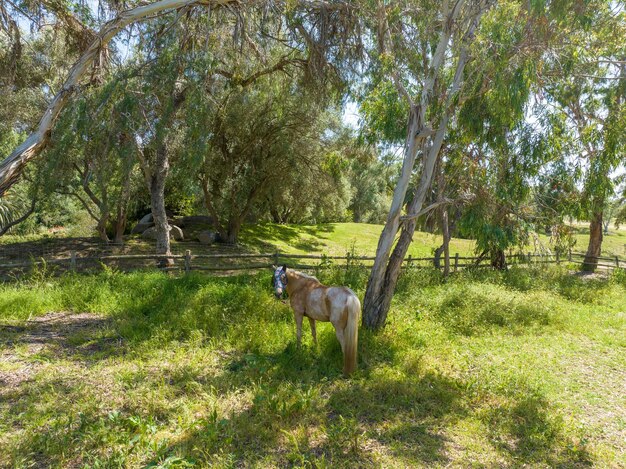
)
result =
(330, 239)
(523, 368)
(337, 239)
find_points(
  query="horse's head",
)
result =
(279, 281)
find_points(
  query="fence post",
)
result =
(529, 258)
(616, 262)
(187, 261)
(73, 261)
(558, 258)
(569, 255)
(456, 261)
(409, 261)
(276, 257)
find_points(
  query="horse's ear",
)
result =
(284, 268)
(274, 267)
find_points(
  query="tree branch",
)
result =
(11, 224)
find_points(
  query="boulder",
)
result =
(195, 220)
(175, 233)
(207, 237)
(150, 233)
(141, 227)
(147, 219)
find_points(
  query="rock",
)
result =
(195, 220)
(193, 225)
(175, 233)
(207, 237)
(141, 227)
(150, 233)
(147, 219)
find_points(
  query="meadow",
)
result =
(487, 369)
(335, 239)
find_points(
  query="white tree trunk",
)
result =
(384, 276)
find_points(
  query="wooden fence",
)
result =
(231, 262)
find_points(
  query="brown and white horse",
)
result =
(339, 305)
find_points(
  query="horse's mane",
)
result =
(303, 275)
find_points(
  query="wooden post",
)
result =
(456, 261)
(558, 258)
(187, 261)
(73, 261)
(409, 261)
(616, 262)
(569, 254)
(529, 258)
(276, 258)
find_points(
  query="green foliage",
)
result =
(384, 113)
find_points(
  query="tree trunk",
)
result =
(498, 259)
(384, 276)
(101, 227)
(376, 306)
(122, 210)
(157, 202)
(234, 227)
(275, 214)
(590, 263)
(376, 282)
(437, 257)
(120, 228)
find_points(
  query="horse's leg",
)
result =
(298, 317)
(339, 334)
(313, 331)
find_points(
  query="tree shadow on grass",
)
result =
(296, 407)
(524, 432)
(296, 410)
(266, 236)
(295, 423)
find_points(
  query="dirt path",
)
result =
(54, 335)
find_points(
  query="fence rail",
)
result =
(225, 262)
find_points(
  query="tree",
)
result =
(407, 38)
(589, 94)
(13, 164)
(92, 157)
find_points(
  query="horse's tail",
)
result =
(351, 334)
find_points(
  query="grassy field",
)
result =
(524, 368)
(330, 239)
(337, 239)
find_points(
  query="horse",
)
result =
(339, 305)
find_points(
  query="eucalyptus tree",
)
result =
(586, 89)
(424, 53)
(89, 60)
